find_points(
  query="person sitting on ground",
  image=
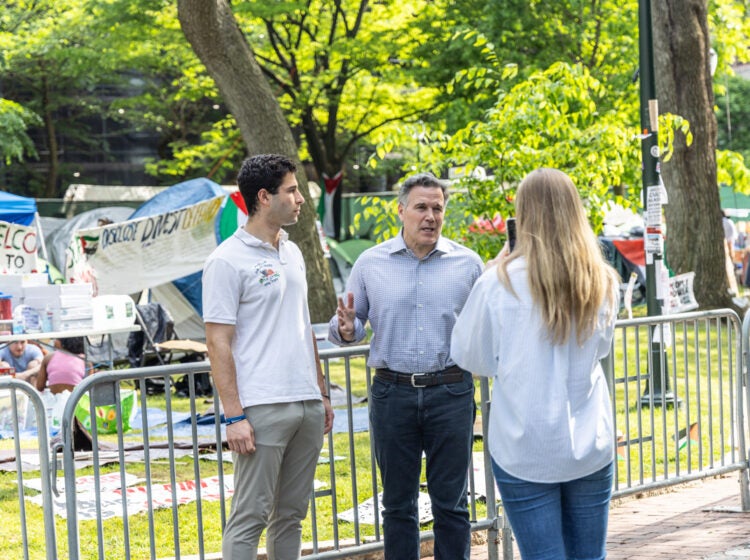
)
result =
(64, 368)
(25, 358)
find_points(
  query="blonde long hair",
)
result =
(567, 273)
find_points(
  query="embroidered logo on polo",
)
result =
(266, 274)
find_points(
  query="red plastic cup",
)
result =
(6, 308)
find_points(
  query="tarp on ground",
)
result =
(17, 209)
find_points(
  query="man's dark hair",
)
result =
(263, 171)
(421, 180)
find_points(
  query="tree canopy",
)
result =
(507, 85)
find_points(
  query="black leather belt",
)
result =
(453, 374)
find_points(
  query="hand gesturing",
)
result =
(346, 314)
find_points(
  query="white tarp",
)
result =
(187, 323)
(18, 248)
(117, 193)
(131, 256)
(106, 193)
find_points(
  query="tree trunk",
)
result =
(217, 40)
(53, 163)
(694, 233)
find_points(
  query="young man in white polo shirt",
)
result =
(264, 362)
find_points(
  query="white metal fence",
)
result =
(678, 386)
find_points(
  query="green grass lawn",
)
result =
(698, 376)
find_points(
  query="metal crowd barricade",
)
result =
(364, 541)
(13, 387)
(703, 360)
(696, 426)
(136, 535)
(140, 540)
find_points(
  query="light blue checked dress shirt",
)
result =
(411, 303)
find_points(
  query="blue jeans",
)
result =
(438, 420)
(566, 520)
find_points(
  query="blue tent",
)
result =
(175, 197)
(179, 196)
(17, 209)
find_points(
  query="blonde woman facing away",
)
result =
(538, 322)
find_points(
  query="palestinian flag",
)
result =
(328, 209)
(233, 215)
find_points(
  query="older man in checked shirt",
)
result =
(411, 289)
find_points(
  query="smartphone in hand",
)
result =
(510, 230)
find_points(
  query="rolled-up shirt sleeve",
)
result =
(335, 337)
(356, 286)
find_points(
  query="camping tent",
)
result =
(168, 206)
(183, 296)
(176, 197)
(17, 209)
(58, 239)
(735, 204)
(179, 196)
(343, 254)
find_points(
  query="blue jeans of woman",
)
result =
(405, 422)
(565, 520)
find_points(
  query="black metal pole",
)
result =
(658, 385)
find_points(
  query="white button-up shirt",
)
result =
(551, 416)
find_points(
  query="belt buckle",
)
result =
(414, 377)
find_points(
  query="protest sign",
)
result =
(18, 246)
(131, 256)
(681, 296)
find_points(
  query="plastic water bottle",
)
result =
(49, 407)
(19, 324)
(47, 320)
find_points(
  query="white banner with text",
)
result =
(128, 257)
(18, 248)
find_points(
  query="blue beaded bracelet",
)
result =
(234, 419)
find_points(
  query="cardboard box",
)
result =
(75, 325)
(55, 291)
(113, 311)
(62, 306)
(14, 284)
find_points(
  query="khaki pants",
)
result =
(272, 487)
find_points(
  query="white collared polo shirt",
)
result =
(263, 293)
